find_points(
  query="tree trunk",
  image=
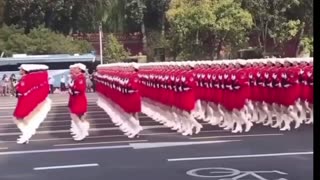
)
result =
(163, 19)
(212, 45)
(70, 31)
(48, 18)
(298, 46)
(213, 52)
(265, 37)
(259, 40)
(144, 37)
(264, 32)
(220, 46)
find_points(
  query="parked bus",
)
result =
(58, 64)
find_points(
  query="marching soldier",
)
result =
(78, 104)
(229, 93)
(33, 103)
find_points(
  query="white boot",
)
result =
(302, 111)
(246, 120)
(293, 113)
(25, 137)
(309, 108)
(86, 127)
(74, 130)
(287, 121)
(238, 120)
(82, 134)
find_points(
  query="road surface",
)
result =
(159, 154)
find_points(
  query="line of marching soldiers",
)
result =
(233, 94)
(34, 103)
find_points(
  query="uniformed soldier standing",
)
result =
(78, 104)
(33, 102)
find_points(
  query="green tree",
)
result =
(25, 14)
(271, 20)
(114, 51)
(64, 16)
(206, 25)
(111, 13)
(303, 12)
(39, 41)
(155, 16)
(135, 11)
(2, 7)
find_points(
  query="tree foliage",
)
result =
(208, 22)
(2, 7)
(189, 28)
(114, 51)
(39, 41)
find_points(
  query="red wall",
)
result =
(132, 41)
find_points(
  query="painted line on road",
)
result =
(64, 150)
(91, 130)
(97, 143)
(53, 106)
(62, 113)
(13, 102)
(57, 121)
(241, 156)
(67, 115)
(10, 121)
(111, 136)
(68, 125)
(65, 167)
(144, 123)
(237, 136)
(54, 102)
(4, 148)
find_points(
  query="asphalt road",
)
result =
(159, 154)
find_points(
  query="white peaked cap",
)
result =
(174, 62)
(280, 60)
(33, 67)
(190, 63)
(80, 66)
(253, 60)
(227, 61)
(242, 62)
(272, 60)
(250, 61)
(135, 65)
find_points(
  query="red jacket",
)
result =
(78, 100)
(31, 90)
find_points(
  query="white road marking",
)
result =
(67, 115)
(58, 121)
(63, 113)
(3, 148)
(91, 130)
(97, 143)
(241, 156)
(53, 106)
(64, 150)
(237, 136)
(10, 121)
(111, 136)
(65, 167)
(66, 125)
(174, 144)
